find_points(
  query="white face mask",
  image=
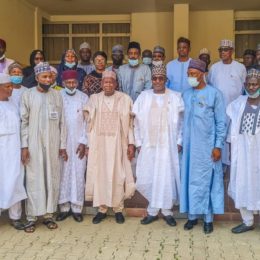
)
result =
(193, 81)
(133, 62)
(70, 91)
(3, 57)
(157, 62)
(255, 95)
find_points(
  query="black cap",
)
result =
(134, 45)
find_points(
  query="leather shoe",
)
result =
(99, 217)
(208, 227)
(148, 219)
(18, 224)
(241, 228)
(62, 215)
(119, 218)
(170, 220)
(190, 224)
(77, 217)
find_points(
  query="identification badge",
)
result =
(54, 115)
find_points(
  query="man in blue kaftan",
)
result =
(204, 132)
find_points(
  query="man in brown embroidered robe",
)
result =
(110, 149)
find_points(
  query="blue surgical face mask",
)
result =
(16, 79)
(70, 91)
(193, 81)
(255, 95)
(147, 60)
(133, 62)
(70, 65)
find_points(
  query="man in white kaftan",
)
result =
(43, 134)
(12, 190)
(111, 148)
(244, 136)
(229, 77)
(72, 184)
(158, 119)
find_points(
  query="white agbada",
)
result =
(73, 171)
(11, 175)
(229, 79)
(245, 159)
(158, 121)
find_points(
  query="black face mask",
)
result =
(45, 87)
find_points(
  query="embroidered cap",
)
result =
(159, 70)
(227, 43)
(159, 49)
(197, 64)
(118, 48)
(204, 51)
(109, 74)
(42, 67)
(84, 45)
(69, 74)
(253, 73)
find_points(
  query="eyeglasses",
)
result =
(251, 84)
(38, 58)
(160, 78)
(224, 49)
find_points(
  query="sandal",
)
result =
(50, 224)
(29, 227)
(18, 224)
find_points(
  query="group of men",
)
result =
(79, 143)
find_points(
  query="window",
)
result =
(247, 35)
(57, 37)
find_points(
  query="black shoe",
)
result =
(190, 224)
(170, 220)
(62, 215)
(148, 219)
(77, 217)
(99, 217)
(241, 228)
(119, 218)
(18, 224)
(208, 228)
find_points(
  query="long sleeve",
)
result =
(131, 139)
(220, 120)
(137, 130)
(89, 111)
(180, 121)
(119, 79)
(210, 77)
(148, 79)
(25, 114)
(83, 137)
(63, 130)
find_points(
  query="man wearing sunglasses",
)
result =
(229, 77)
(158, 119)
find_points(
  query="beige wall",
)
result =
(151, 29)
(207, 28)
(17, 29)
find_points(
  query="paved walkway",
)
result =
(131, 240)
